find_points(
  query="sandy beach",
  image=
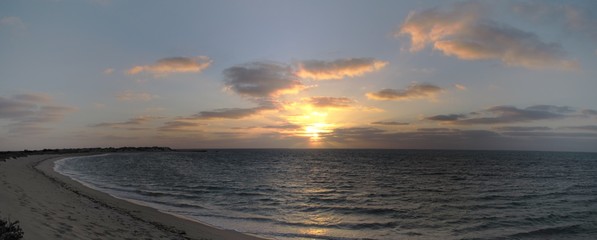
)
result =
(51, 206)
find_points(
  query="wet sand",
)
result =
(49, 205)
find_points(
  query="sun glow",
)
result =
(315, 130)
(313, 125)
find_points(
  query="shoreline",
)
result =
(49, 205)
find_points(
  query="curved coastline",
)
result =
(54, 206)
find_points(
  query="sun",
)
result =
(314, 131)
(313, 125)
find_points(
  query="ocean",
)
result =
(360, 194)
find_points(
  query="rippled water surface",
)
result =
(360, 194)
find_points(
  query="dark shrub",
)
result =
(10, 230)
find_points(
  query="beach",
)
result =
(49, 205)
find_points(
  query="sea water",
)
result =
(360, 194)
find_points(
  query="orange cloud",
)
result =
(460, 87)
(338, 69)
(173, 65)
(330, 102)
(463, 33)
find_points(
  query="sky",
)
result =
(506, 75)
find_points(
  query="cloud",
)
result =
(171, 65)
(571, 18)
(447, 138)
(589, 112)
(391, 123)
(12, 21)
(330, 102)
(131, 122)
(288, 126)
(508, 114)
(260, 82)
(136, 96)
(261, 79)
(28, 113)
(583, 128)
(27, 105)
(415, 91)
(231, 113)
(263, 82)
(33, 97)
(179, 126)
(522, 129)
(551, 134)
(449, 117)
(461, 31)
(460, 87)
(551, 108)
(435, 130)
(108, 71)
(338, 69)
(424, 138)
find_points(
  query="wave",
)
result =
(358, 194)
(550, 231)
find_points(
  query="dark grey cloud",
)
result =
(425, 138)
(448, 138)
(508, 114)
(263, 104)
(522, 129)
(230, 113)
(179, 125)
(446, 118)
(589, 112)
(435, 130)
(390, 123)
(579, 18)
(353, 134)
(414, 91)
(11, 108)
(551, 108)
(463, 30)
(32, 97)
(261, 79)
(583, 128)
(552, 134)
(28, 113)
(131, 122)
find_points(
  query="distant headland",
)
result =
(16, 154)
